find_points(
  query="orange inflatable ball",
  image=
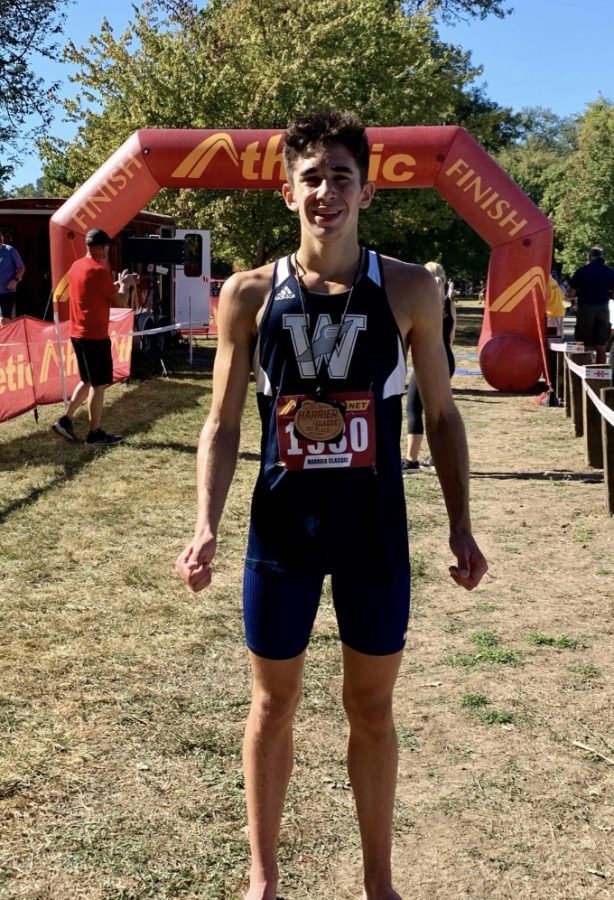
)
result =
(511, 362)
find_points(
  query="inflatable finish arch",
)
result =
(442, 157)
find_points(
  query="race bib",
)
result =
(305, 426)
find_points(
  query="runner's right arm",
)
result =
(218, 446)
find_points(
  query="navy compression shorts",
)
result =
(279, 609)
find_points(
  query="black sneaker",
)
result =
(427, 463)
(63, 427)
(410, 467)
(102, 439)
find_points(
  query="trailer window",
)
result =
(193, 255)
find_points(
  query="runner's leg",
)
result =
(267, 763)
(372, 760)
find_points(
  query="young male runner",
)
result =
(326, 333)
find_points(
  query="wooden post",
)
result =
(560, 376)
(551, 356)
(575, 389)
(595, 377)
(572, 347)
(607, 437)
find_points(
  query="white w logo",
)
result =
(331, 344)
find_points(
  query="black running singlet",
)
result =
(327, 506)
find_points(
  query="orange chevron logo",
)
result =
(516, 292)
(60, 294)
(288, 408)
(197, 161)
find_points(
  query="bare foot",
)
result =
(261, 891)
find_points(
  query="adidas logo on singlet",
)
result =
(285, 293)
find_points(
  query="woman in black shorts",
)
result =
(415, 421)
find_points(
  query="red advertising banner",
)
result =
(33, 354)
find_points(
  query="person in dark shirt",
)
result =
(592, 285)
(326, 331)
(12, 271)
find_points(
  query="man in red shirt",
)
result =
(92, 294)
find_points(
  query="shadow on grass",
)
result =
(491, 395)
(135, 412)
(469, 323)
(176, 447)
(558, 475)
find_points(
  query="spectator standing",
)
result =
(12, 271)
(415, 420)
(555, 308)
(92, 294)
(592, 285)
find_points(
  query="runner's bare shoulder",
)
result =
(410, 287)
(244, 294)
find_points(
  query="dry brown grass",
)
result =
(122, 698)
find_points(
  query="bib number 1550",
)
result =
(354, 449)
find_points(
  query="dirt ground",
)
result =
(122, 699)
(517, 808)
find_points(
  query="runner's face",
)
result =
(326, 192)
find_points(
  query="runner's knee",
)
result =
(275, 708)
(369, 711)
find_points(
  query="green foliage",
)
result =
(566, 166)
(478, 703)
(475, 701)
(536, 160)
(497, 717)
(562, 642)
(590, 671)
(485, 639)
(242, 64)
(456, 9)
(487, 643)
(27, 28)
(584, 207)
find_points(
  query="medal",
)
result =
(319, 419)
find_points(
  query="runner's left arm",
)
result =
(444, 427)
(219, 441)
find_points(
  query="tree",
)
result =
(257, 64)
(458, 9)
(27, 28)
(583, 197)
(535, 160)
(28, 190)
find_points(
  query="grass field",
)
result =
(122, 698)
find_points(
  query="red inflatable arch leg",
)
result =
(509, 349)
(445, 158)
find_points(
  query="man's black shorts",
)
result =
(593, 324)
(6, 304)
(95, 360)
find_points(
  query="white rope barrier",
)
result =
(606, 412)
(580, 371)
(147, 331)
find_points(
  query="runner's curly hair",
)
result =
(323, 128)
